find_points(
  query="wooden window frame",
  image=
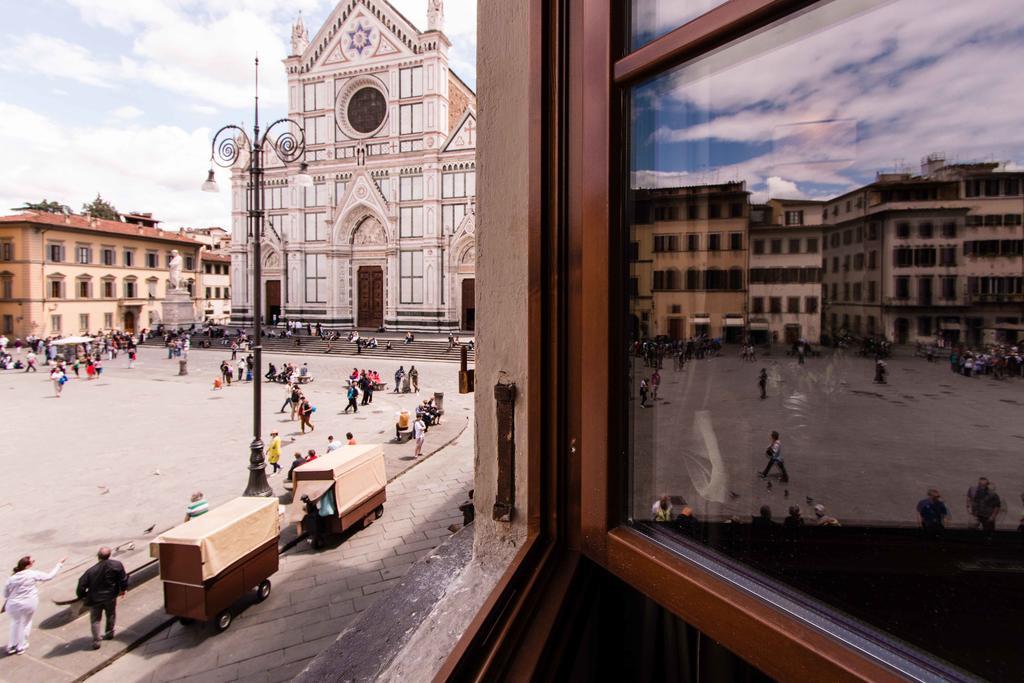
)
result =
(576, 448)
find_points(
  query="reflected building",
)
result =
(689, 260)
(785, 271)
(385, 238)
(914, 258)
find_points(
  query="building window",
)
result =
(411, 221)
(735, 279)
(152, 259)
(810, 304)
(190, 262)
(411, 276)
(83, 255)
(846, 291)
(410, 117)
(775, 304)
(410, 188)
(925, 230)
(857, 290)
(129, 289)
(410, 82)
(209, 293)
(462, 184)
(316, 196)
(736, 241)
(55, 324)
(794, 246)
(451, 216)
(872, 260)
(8, 326)
(794, 217)
(84, 289)
(947, 256)
(776, 246)
(129, 258)
(903, 288)
(692, 242)
(315, 227)
(757, 304)
(714, 210)
(6, 287)
(109, 286)
(903, 230)
(108, 321)
(314, 96)
(227, 293)
(6, 250)
(924, 326)
(714, 242)
(316, 130)
(56, 289)
(108, 256)
(83, 322)
(55, 253)
(793, 304)
(858, 261)
(758, 246)
(316, 278)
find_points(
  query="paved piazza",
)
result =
(115, 456)
(868, 452)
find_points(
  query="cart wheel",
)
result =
(224, 620)
(263, 590)
(379, 512)
(185, 621)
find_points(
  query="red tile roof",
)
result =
(77, 222)
(214, 256)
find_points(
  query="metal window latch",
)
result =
(504, 502)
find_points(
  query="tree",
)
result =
(44, 206)
(100, 208)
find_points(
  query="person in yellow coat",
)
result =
(274, 452)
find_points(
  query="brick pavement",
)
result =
(315, 595)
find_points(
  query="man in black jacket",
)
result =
(99, 589)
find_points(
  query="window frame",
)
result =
(575, 445)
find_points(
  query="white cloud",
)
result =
(127, 112)
(55, 58)
(204, 109)
(780, 188)
(137, 168)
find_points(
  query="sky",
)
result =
(817, 106)
(120, 97)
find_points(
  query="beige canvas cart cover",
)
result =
(227, 533)
(357, 473)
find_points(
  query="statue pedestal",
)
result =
(178, 310)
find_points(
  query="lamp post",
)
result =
(227, 147)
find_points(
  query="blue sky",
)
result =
(120, 97)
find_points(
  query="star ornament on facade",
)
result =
(360, 38)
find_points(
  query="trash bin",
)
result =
(183, 367)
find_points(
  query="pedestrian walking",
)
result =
(399, 374)
(414, 378)
(274, 453)
(240, 366)
(774, 454)
(655, 383)
(99, 588)
(296, 400)
(643, 393)
(234, 350)
(353, 394)
(21, 598)
(30, 362)
(59, 379)
(419, 432)
(983, 506)
(305, 415)
(762, 382)
(131, 358)
(880, 372)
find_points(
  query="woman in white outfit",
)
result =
(21, 598)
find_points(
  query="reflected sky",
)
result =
(654, 18)
(815, 106)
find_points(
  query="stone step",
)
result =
(426, 350)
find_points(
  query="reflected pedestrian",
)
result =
(774, 455)
(932, 512)
(661, 511)
(823, 519)
(983, 505)
(21, 598)
(762, 382)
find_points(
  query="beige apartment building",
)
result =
(213, 296)
(785, 271)
(70, 274)
(689, 249)
(914, 258)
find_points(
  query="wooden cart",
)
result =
(353, 475)
(209, 563)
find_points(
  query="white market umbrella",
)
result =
(68, 341)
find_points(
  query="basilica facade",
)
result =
(384, 239)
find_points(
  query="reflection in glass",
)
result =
(826, 269)
(650, 19)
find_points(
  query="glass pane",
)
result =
(844, 418)
(650, 19)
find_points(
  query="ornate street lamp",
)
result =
(227, 147)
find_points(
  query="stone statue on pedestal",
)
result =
(174, 269)
(435, 15)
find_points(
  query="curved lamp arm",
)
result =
(225, 149)
(290, 145)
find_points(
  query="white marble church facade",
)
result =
(385, 238)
